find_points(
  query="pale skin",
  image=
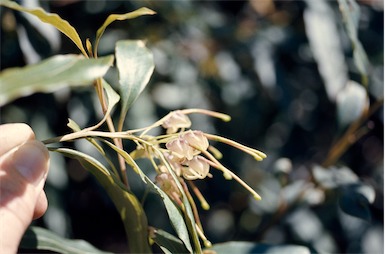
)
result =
(24, 164)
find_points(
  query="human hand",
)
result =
(24, 164)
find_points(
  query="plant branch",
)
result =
(352, 134)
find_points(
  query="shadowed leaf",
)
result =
(128, 206)
(50, 18)
(173, 212)
(36, 238)
(356, 199)
(113, 17)
(169, 243)
(251, 248)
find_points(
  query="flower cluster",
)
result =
(183, 154)
(188, 152)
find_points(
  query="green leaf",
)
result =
(356, 199)
(176, 218)
(113, 17)
(324, 41)
(135, 65)
(50, 18)
(36, 238)
(250, 247)
(128, 206)
(73, 125)
(333, 177)
(50, 75)
(352, 102)
(351, 13)
(169, 243)
(112, 98)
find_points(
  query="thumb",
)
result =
(23, 172)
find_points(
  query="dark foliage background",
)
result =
(254, 61)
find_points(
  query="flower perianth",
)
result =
(196, 139)
(176, 120)
(181, 149)
(167, 184)
(196, 168)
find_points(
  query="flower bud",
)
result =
(196, 139)
(174, 162)
(166, 183)
(175, 121)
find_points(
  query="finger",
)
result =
(23, 172)
(13, 135)
(41, 206)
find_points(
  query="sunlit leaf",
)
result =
(128, 206)
(112, 99)
(356, 199)
(352, 101)
(36, 238)
(50, 18)
(169, 243)
(73, 125)
(50, 75)
(250, 248)
(351, 13)
(333, 177)
(135, 64)
(324, 40)
(113, 17)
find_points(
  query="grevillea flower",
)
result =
(167, 184)
(181, 149)
(196, 139)
(196, 168)
(174, 163)
(175, 121)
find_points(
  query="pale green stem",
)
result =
(221, 116)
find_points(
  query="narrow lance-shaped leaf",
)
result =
(50, 18)
(36, 238)
(135, 65)
(250, 247)
(168, 243)
(50, 75)
(351, 13)
(128, 206)
(112, 99)
(113, 17)
(174, 214)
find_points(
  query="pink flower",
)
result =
(166, 183)
(174, 162)
(196, 139)
(197, 168)
(175, 121)
(180, 149)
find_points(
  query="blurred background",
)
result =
(285, 71)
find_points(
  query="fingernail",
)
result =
(31, 160)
